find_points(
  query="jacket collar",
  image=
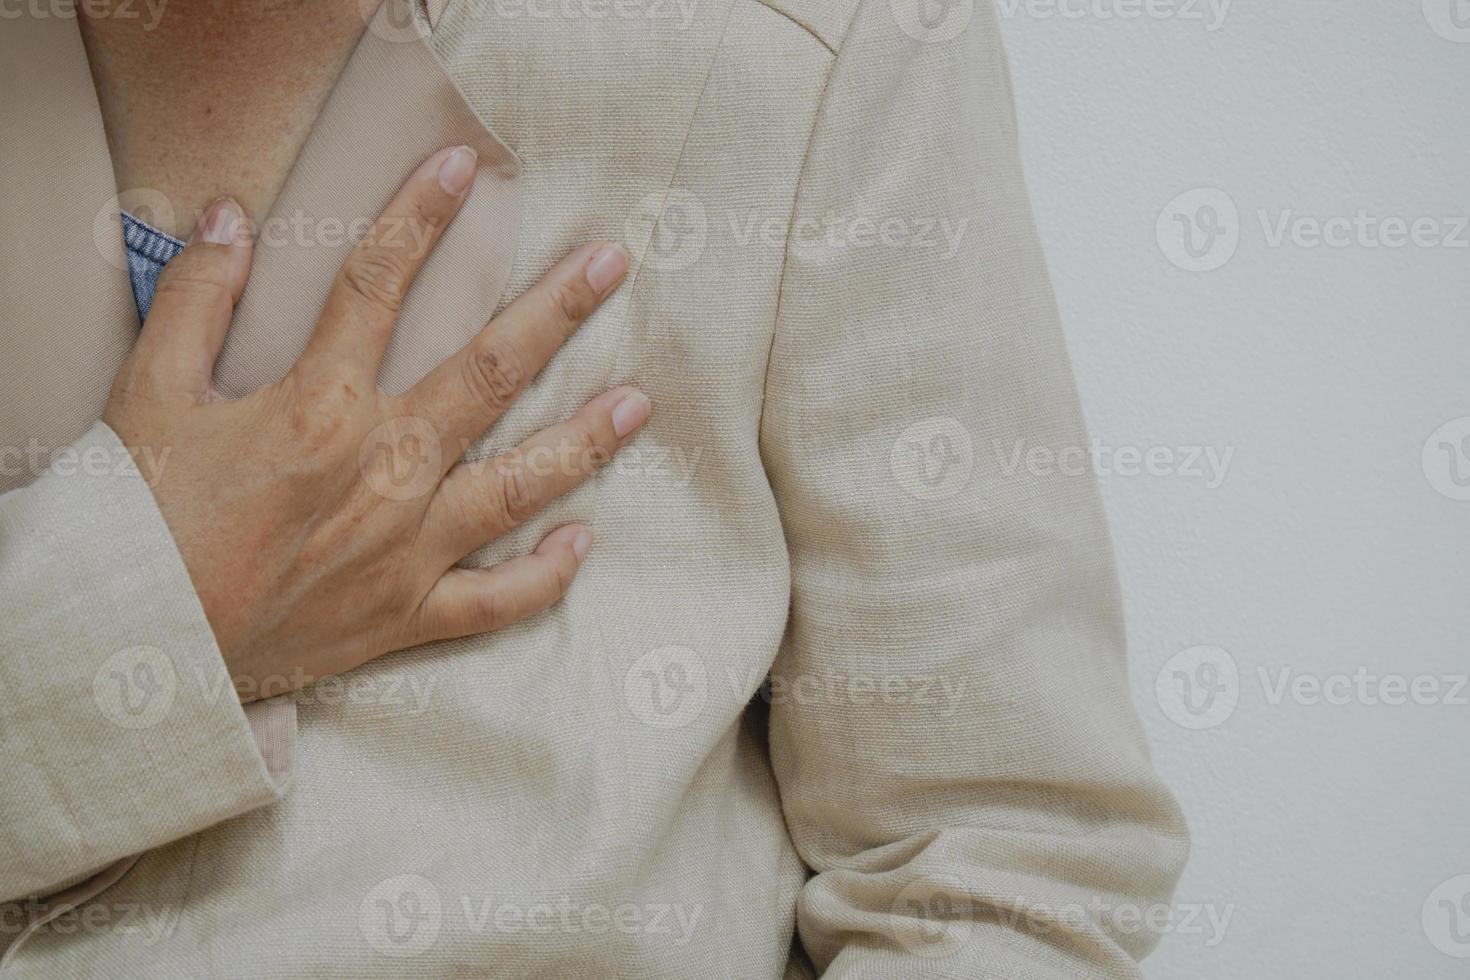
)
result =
(66, 310)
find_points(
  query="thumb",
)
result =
(194, 302)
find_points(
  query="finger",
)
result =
(362, 306)
(467, 393)
(194, 302)
(479, 501)
(479, 600)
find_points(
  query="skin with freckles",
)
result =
(321, 520)
(208, 97)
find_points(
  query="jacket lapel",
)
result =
(394, 105)
(66, 310)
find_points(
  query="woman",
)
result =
(840, 688)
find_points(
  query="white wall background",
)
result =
(1331, 548)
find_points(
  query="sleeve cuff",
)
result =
(118, 718)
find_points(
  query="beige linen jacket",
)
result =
(841, 690)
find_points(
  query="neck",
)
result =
(208, 97)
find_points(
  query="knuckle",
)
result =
(485, 612)
(558, 580)
(493, 375)
(378, 277)
(474, 519)
(427, 221)
(567, 304)
(193, 285)
(517, 494)
(149, 379)
(317, 415)
(591, 455)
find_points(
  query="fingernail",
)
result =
(217, 225)
(606, 267)
(582, 542)
(630, 413)
(457, 170)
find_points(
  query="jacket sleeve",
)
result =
(959, 760)
(119, 725)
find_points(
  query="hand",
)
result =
(321, 519)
